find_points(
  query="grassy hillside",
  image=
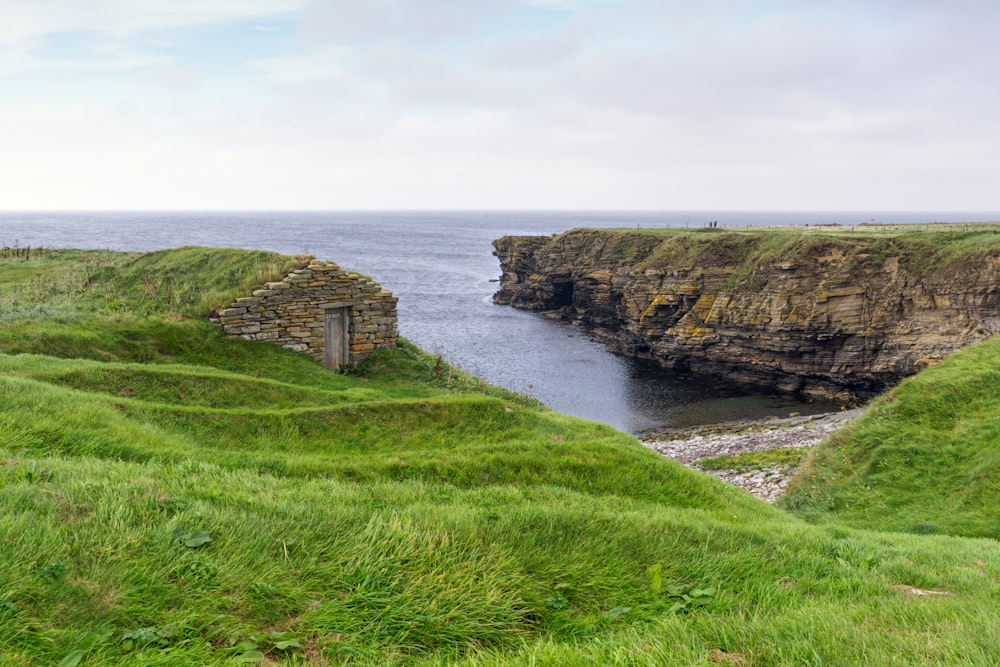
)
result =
(173, 497)
(924, 459)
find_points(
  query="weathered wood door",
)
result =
(335, 336)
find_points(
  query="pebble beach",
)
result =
(690, 446)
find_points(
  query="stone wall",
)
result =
(293, 312)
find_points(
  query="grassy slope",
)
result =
(925, 458)
(399, 514)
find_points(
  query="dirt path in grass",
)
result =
(689, 446)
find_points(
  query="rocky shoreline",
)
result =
(833, 316)
(689, 446)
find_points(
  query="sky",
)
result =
(859, 105)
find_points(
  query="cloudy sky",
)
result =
(500, 104)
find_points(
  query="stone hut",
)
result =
(336, 317)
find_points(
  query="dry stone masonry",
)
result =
(338, 318)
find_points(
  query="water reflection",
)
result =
(679, 400)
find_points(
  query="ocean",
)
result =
(441, 267)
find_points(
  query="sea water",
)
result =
(440, 265)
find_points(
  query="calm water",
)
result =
(441, 267)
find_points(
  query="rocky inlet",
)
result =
(838, 316)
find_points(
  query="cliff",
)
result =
(837, 315)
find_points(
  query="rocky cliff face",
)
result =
(839, 316)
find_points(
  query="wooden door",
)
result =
(335, 337)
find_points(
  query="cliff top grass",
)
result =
(861, 229)
(930, 251)
(947, 232)
(174, 497)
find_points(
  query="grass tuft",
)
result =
(785, 457)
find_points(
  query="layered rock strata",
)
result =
(838, 316)
(293, 312)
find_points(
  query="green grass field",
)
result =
(173, 497)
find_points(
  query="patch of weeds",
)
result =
(615, 613)
(54, 571)
(8, 609)
(685, 598)
(558, 600)
(855, 553)
(194, 568)
(788, 457)
(262, 589)
(295, 546)
(259, 648)
(35, 473)
(91, 641)
(152, 636)
(192, 540)
(171, 505)
(245, 652)
(677, 598)
(72, 659)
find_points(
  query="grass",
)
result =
(174, 497)
(924, 459)
(934, 253)
(782, 457)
